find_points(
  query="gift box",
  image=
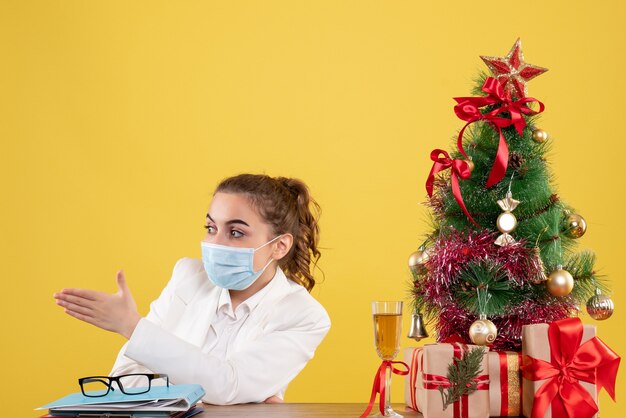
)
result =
(412, 357)
(564, 365)
(505, 384)
(428, 372)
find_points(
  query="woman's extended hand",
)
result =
(113, 312)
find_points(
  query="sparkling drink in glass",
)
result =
(387, 317)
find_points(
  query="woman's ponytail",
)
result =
(306, 237)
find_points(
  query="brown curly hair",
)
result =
(285, 204)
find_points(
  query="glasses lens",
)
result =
(95, 386)
(133, 384)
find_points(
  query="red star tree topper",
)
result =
(512, 72)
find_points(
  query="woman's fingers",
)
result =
(273, 399)
(85, 310)
(76, 300)
(82, 317)
(83, 293)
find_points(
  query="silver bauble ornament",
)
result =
(600, 307)
(417, 261)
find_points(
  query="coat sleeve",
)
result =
(252, 374)
(158, 311)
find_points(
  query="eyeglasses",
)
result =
(130, 384)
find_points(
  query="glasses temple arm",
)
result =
(163, 376)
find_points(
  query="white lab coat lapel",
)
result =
(259, 317)
(193, 318)
(280, 290)
(190, 320)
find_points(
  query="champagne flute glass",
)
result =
(387, 330)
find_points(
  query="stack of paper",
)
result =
(174, 401)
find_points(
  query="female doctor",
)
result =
(240, 322)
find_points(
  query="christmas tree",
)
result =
(501, 251)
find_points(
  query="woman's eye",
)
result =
(236, 234)
(210, 229)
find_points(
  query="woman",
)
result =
(240, 322)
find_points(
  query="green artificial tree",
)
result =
(501, 251)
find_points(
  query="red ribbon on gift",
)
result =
(414, 370)
(468, 109)
(380, 384)
(570, 362)
(461, 408)
(459, 168)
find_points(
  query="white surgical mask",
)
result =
(232, 267)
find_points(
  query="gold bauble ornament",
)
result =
(560, 282)
(539, 135)
(600, 307)
(483, 331)
(576, 226)
(417, 261)
(470, 164)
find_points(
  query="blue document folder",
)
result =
(158, 399)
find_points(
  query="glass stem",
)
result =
(388, 408)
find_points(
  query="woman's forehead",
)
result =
(228, 206)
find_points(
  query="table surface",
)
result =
(295, 410)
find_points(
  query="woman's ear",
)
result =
(283, 245)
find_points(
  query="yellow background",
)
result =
(118, 119)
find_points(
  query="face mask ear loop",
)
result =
(268, 263)
(268, 242)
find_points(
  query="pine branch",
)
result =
(492, 279)
(462, 374)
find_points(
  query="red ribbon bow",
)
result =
(459, 168)
(593, 362)
(468, 109)
(380, 384)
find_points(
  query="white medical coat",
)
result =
(272, 346)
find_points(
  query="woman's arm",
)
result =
(253, 374)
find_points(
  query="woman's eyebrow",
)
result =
(232, 221)
(236, 221)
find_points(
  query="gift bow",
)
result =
(459, 168)
(593, 362)
(380, 384)
(468, 109)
